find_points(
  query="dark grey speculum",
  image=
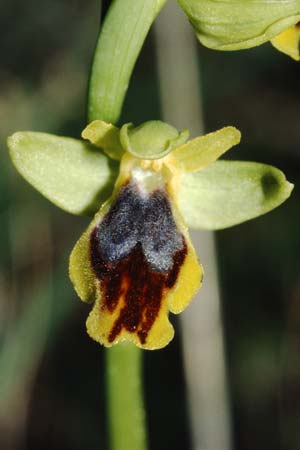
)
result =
(136, 219)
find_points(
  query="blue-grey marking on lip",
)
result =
(146, 219)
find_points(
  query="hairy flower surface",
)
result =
(135, 261)
(140, 259)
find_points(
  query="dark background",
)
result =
(52, 392)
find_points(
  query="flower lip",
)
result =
(136, 254)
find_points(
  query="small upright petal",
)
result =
(204, 150)
(106, 136)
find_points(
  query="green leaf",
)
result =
(105, 136)
(202, 151)
(72, 174)
(239, 24)
(120, 41)
(230, 192)
(151, 140)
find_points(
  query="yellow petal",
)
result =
(202, 151)
(142, 263)
(288, 42)
(106, 136)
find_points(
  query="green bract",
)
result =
(240, 24)
(79, 177)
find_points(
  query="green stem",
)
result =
(120, 41)
(126, 417)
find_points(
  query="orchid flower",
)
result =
(146, 185)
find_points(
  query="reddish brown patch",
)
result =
(142, 287)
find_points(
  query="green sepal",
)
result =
(240, 24)
(71, 173)
(204, 150)
(151, 140)
(106, 136)
(230, 192)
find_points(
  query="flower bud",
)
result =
(240, 24)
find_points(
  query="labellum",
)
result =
(140, 259)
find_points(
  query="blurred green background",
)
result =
(52, 392)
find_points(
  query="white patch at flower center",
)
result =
(147, 180)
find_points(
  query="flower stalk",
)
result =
(126, 415)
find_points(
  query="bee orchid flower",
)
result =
(135, 262)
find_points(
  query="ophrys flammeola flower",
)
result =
(135, 261)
